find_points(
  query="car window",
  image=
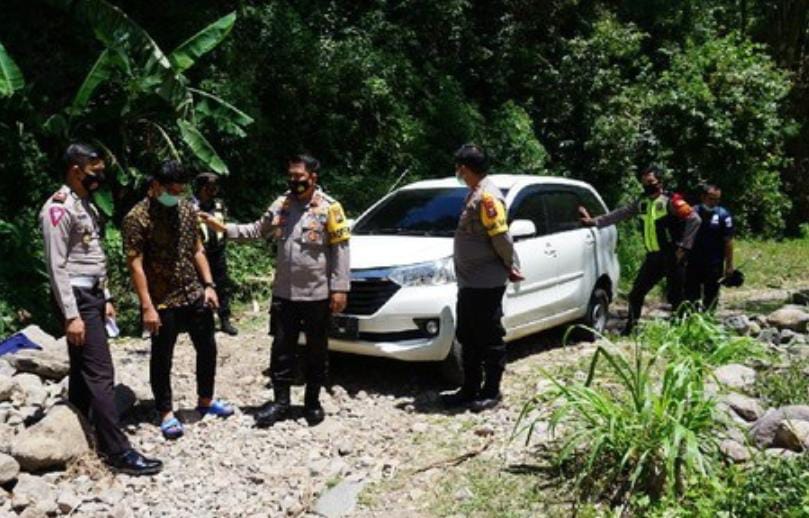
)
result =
(415, 212)
(528, 205)
(563, 210)
(589, 201)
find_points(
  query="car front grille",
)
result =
(368, 295)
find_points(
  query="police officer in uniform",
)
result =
(484, 261)
(669, 227)
(711, 259)
(206, 187)
(77, 269)
(312, 279)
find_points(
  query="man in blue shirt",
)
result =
(711, 257)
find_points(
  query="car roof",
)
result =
(502, 181)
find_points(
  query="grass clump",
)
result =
(784, 385)
(629, 434)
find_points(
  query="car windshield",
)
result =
(417, 212)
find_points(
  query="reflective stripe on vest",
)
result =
(654, 210)
(219, 214)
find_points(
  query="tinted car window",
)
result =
(589, 201)
(563, 210)
(415, 212)
(528, 205)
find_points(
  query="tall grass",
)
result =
(627, 433)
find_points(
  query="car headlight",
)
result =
(433, 273)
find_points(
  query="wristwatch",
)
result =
(209, 285)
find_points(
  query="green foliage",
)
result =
(11, 78)
(629, 433)
(512, 141)
(783, 385)
(250, 267)
(769, 487)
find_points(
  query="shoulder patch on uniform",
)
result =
(56, 214)
(493, 215)
(59, 197)
(681, 207)
(337, 225)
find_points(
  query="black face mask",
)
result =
(90, 179)
(651, 189)
(299, 186)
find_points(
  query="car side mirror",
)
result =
(522, 228)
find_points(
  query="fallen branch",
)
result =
(454, 461)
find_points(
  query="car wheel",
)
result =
(597, 313)
(452, 365)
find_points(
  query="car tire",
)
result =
(598, 310)
(452, 365)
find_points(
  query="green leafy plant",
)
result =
(785, 384)
(628, 433)
(11, 78)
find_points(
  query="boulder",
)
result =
(740, 324)
(735, 376)
(734, 451)
(52, 442)
(30, 390)
(42, 363)
(48, 343)
(790, 317)
(792, 435)
(769, 335)
(745, 407)
(9, 468)
(788, 337)
(5, 368)
(33, 491)
(764, 429)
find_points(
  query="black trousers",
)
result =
(480, 332)
(197, 321)
(702, 283)
(287, 319)
(91, 382)
(218, 261)
(655, 267)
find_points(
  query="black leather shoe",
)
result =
(486, 402)
(228, 328)
(271, 414)
(314, 414)
(458, 399)
(133, 463)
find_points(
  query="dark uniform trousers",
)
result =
(92, 375)
(480, 332)
(217, 258)
(702, 282)
(197, 320)
(287, 319)
(655, 267)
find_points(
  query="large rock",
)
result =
(763, 430)
(735, 376)
(792, 435)
(42, 363)
(52, 442)
(790, 317)
(46, 341)
(33, 491)
(738, 323)
(30, 390)
(735, 451)
(745, 407)
(9, 468)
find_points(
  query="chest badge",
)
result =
(86, 238)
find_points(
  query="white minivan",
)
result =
(402, 299)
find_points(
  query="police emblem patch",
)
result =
(56, 214)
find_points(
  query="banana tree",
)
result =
(137, 104)
(11, 78)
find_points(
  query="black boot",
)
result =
(276, 411)
(490, 395)
(227, 327)
(133, 463)
(312, 410)
(460, 398)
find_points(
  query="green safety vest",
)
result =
(651, 212)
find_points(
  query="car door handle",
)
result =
(549, 250)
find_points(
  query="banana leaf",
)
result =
(227, 117)
(201, 148)
(185, 55)
(11, 78)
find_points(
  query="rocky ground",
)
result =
(384, 450)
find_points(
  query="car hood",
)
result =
(390, 251)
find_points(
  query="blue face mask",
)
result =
(168, 200)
